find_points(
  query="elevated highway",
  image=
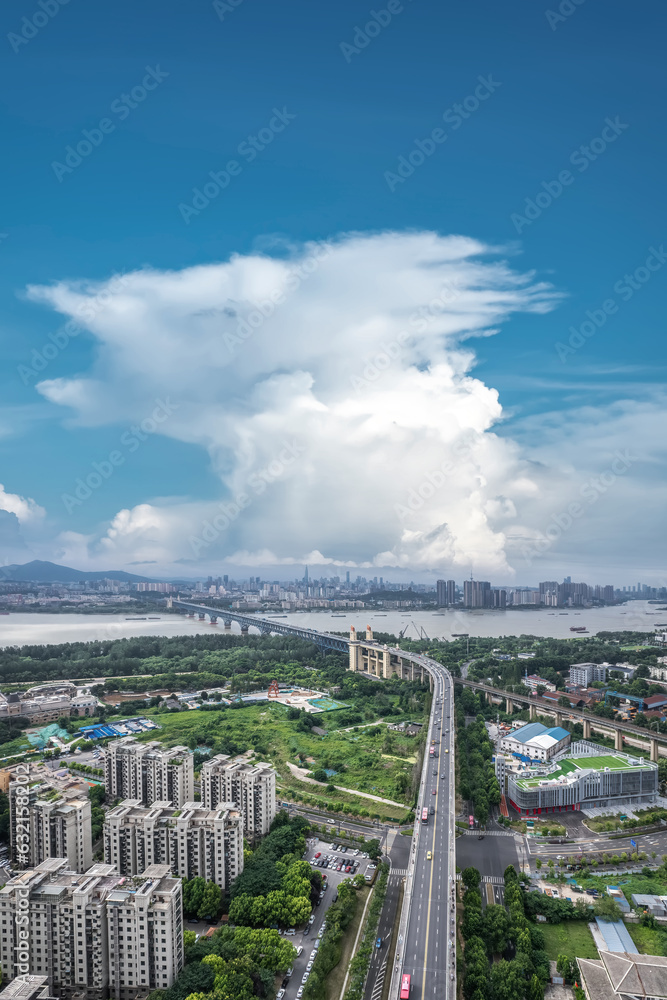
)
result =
(655, 742)
(426, 940)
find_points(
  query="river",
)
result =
(21, 628)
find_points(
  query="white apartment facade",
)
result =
(251, 787)
(192, 840)
(96, 935)
(49, 822)
(149, 772)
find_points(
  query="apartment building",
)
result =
(251, 787)
(47, 821)
(96, 934)
(192, 840)
(149, 772)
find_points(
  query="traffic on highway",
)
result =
(425, 961)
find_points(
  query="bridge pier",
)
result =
(532, 712)
(559, 718)
(509, 706)
(227, 622)
(202, 618)
(587, 729)
(214, 619)
(654, 751)
(244, 629)
(618, 740)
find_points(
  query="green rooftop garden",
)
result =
(570, 764)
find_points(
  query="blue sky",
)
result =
(580, 92)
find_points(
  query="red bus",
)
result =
(424, 815)
(405, 988)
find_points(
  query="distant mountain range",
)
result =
(48, 572)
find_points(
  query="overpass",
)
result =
(426, 948)
(657, 742)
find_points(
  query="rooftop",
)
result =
(570, 765)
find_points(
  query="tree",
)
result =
(210, 901)
(496, 928)
(471, 878)
(373, 849)
(608, 908)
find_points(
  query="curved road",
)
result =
(426, 949)
(427, 930)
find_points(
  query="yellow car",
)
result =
(429, 856)
(446, 751)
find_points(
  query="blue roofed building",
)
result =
(535, 742)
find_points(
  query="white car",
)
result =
(356, 853)
(299, 993)
(304, 978)
(280, 994)
(309, 966)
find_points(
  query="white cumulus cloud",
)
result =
(334, 392)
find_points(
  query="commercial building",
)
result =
(95, 935)
(191, 841)
(251, 787)
(535, 742)
(149, 772)
(50, 821)
(588, 776)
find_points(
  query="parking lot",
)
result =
(326, 859)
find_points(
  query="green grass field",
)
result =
(358, 756)
(649, 941)
(571, 938)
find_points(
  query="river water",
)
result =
(18, 629)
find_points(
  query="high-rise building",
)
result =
(95, 935)
(476, 594)
(192, 840)
(50, 822)
(498, 598)
(441, 593)
(149, 772)
(251, 787)
(583, 674)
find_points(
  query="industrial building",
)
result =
(535, 741)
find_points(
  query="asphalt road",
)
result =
(490, 856)
(428, 953)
